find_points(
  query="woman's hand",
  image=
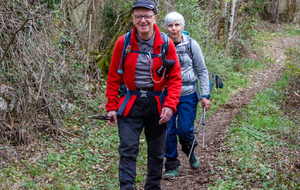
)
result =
(206, 103)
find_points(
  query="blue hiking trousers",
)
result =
(186, 114)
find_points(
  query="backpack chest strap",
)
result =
(150, 55)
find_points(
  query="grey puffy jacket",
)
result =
(191, 69)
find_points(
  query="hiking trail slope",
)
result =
(217, 126)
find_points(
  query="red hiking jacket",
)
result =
(114, 79)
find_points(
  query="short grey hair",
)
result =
(174, 17)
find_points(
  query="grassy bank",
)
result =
(262, 149)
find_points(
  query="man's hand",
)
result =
(114, 115)
(206, 103)
(166, 114)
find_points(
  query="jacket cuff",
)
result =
(206, 96)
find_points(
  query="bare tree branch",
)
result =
(13, 38)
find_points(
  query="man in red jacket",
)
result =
(143, 105)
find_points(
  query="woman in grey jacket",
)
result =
(192, 67)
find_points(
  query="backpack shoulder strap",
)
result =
(189, 47)
(127, 38)
(165, 46)
(191, 50)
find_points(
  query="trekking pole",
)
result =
(203, 129)
(203, 116)
(101, 117)
(219, 84)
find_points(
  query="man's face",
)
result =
(144, 19)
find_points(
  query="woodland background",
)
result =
(54, 56)
(51, 50)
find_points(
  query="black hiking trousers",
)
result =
(143, 115)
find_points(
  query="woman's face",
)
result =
(174, 30)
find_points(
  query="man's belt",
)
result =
(141, 93)
(144, 93)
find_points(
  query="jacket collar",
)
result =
(183, 41)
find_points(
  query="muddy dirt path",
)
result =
(217, 126)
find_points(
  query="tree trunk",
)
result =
(222, 21)
(291, 9)
(274, 11)
(91, 27)
(288, 11)
(226, 20)
(231, 20)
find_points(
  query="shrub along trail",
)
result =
(217, 125)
